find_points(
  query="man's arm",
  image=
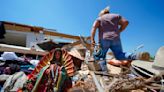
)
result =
(123, 24)
(93, 31)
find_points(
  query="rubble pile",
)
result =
(88, 77)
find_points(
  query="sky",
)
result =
(75, 17)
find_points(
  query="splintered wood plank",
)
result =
(100, 89)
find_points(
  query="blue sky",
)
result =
(75, 17)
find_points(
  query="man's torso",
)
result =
(108, 28)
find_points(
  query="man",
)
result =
(110, 27)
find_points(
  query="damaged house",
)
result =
(68, 69)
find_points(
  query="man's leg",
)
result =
(116, 48)
(105, 44)
(101, 52)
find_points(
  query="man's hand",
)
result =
(93, 42)
(123, 24)
(92, 45)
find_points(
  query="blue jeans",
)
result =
(116, 47)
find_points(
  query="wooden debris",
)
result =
(114, 69)
(100, 89)
(124, 85)
(106, 74)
